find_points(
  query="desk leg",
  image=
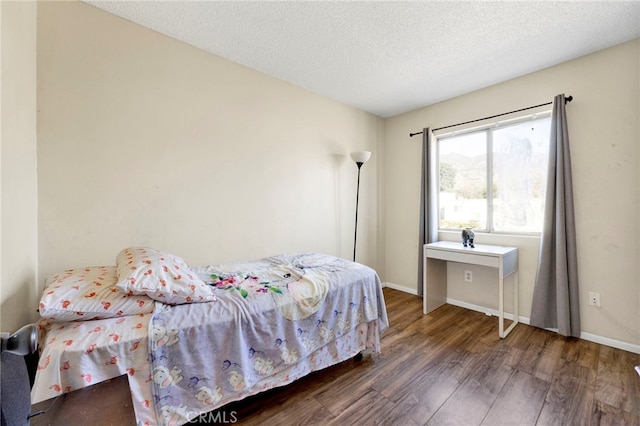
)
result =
(516, 314)
(501, 302)
(434, 284)
(516, 299)
(502, 332)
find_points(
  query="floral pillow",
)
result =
(161, 276)
(88, 293)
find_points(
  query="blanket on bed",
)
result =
(274, 318)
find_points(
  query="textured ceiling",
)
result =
(390, 57)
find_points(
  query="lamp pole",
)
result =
(359, 158)
(355, 234)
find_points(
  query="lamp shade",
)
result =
(361, 156)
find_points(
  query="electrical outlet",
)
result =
(468, 276)
(594, 299)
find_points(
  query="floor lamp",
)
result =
(359, 158)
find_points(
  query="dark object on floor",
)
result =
(15, 388)
(16, 398)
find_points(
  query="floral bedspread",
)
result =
(275, 320)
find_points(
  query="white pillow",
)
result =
(161, 276)
(88, 293)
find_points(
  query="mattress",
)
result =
(274, 320)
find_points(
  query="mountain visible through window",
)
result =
(513, 158)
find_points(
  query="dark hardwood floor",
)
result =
(450, 367)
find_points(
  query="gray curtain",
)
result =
(428, 199)
(555, 295)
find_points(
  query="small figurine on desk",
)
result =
(467, 236)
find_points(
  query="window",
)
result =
(493, 179)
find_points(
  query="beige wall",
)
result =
(604, 128)
(144, 140)
(18, 224)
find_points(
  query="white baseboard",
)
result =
(618, 344)
(487, 311)
(400, 288)
(610, 342)
(625, 346)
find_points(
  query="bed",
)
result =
(192, 339)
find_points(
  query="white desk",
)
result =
(436, 256)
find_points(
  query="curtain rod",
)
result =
(567, 99)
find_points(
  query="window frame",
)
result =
(488, 128)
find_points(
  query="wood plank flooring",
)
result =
(450, 368)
